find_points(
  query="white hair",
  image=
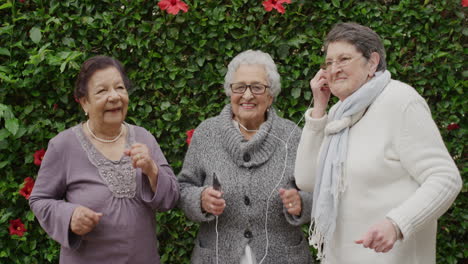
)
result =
(252, 57)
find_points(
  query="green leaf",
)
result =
(165, 105)
(167, 116)
(336, 3)
(6, 5)
(6, 30)
(465, 74)
(296, 92)
(465, 31)
(35, 34)
(200, 61)
(441, 54)
(4, 134)
(29, 216)
(148, 109)
(283, 51)
(6, 78)
(12, 125)
(4, 163)
(5, 217)
(3, 109)
(62, 66)
(172, 75)
(4, 51)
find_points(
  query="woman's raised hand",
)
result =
(211, 201)
(141, 158)
(321, 93)
(291, 201)
(84, 220)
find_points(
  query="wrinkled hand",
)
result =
(212, 202)
(380, 237)
(141, 158)
(84, 220)
(291, 201)
(321, 93)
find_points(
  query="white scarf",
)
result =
(330, 181)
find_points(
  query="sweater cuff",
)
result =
(401, 223)
(399, 235)
(294, 220)
(316, 124)
(191, 205)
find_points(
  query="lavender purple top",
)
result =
(73, 172)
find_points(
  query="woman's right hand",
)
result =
(321, 93)
(84, 220)
(212, 202)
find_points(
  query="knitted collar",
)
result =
(259, 148)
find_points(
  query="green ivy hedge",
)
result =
(177, 65)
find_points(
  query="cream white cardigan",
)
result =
(397, 167)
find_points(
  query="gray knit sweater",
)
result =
(248, 172)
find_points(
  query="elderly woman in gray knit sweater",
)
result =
(256, 214)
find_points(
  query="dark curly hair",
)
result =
(92, 65)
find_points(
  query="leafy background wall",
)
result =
(177, 65)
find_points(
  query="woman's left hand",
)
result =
(139, 153)
(380, 237)
(291, 201)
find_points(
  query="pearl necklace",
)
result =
(104, 140)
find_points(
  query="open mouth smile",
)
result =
(248, 105)
(114, 110)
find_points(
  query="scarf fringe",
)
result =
(316, 239)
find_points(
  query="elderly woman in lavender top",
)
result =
(102, 181)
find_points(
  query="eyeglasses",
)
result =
(340, 62)
(256, 88)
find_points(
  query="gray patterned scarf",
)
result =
(330, 180)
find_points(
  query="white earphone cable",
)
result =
(217, 239)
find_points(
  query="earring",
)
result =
(86, 113)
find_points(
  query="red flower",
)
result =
(22, 1)
(76, 99)
(38, 156)
(189, 136)
(17, 227)
(276, 4)
(55, 106)
(27, 188)
(464, 3)
(173, 6)
(453, 126)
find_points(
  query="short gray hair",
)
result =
(251, 57)
(363, 38)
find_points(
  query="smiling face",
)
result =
(346, 79)
(107, 99)
(249, 109)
